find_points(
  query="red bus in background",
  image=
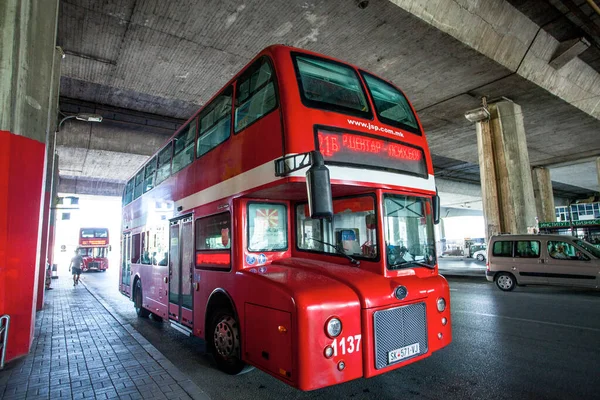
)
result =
(289, 223)
(94, 247)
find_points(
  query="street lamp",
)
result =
(81, 117)
(479, 114)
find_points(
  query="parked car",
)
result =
(453, 252)
(480, 255)
(542, 260)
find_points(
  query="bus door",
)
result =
(126, 264)
(181, 270)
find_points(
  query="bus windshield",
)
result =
(96, 252)
(353, 229)
(408, 225)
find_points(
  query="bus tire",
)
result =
(157, 318)
(137, 301)
(224, 342)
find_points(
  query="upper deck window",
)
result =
(164, 164)
(390, 104)
(139, 185)
(94, 233)
(331, 86)
(128, 197)
(255, 95)
(183, 151)
(150, 173)
(215, 123)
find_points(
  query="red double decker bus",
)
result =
(93, 247)
(289, 223)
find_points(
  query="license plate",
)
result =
(403, 352)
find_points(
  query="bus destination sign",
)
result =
(93, 242)
(380, 153)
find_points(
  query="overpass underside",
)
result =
(146, 66)
(445, 55)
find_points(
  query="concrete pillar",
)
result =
(544, 198)
(28, 31)
(489, 189)
(598, 171)
(506, 184)
(52, 223)
(49, 174)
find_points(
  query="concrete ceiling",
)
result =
(583, 172)
(150, 64)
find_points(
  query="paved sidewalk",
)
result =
(80, 351)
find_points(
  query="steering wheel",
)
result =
(396, 253)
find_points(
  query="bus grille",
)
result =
(399, 327)
(93, 264)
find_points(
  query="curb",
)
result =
(182, 379)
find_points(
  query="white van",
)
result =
(542, 260)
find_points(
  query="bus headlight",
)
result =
(333, 327)
(441, 304)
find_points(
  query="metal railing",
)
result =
(4, 325)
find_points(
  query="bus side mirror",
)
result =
(436, 209)
(318, 186)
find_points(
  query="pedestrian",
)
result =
(48, 275)
(76, 266)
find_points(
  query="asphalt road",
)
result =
(532, 343)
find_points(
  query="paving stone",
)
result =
(80, 351)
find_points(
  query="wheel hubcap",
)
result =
(505, 282)
(226, 337)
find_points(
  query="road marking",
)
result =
(530, 320)
(453, 290)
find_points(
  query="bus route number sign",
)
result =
(378, 153)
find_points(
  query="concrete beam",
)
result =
(73, 185)
(124, 116)
(99, 165)
(498, 30)
(112, 136)
(567, 51)
(448, 212)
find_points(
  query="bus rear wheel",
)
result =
(137, 301)
(224, 343)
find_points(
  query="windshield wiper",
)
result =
(404, 262)
(339, 251)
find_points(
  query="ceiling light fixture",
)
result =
(86, 117)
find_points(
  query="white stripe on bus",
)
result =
(265, 173)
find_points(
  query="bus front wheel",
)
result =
(225, 343)
(137, 301)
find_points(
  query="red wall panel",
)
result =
(21, 176)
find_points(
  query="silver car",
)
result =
(542, 260)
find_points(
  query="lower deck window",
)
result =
(213, 242)
(267, 227)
